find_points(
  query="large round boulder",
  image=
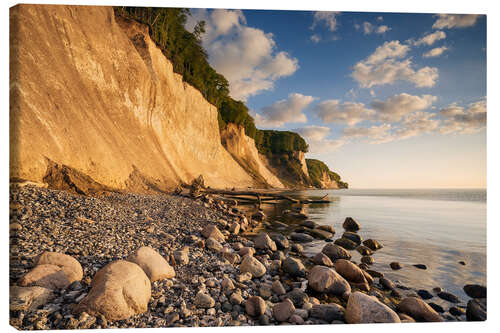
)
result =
(475, 291)
(334, 252)
(352, 236)
(294, 267)
(152, 263)
(476, 309)
(345, 243)
(372, 244)
(362, 308)
(67, 263)
(418, 310)
(350, 224)
(253, 266)
(120, 290)
(46, 276)
(323, 279)
(349, 271)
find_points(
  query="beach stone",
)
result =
(211, 231)
(259, 216)
(334, 252)
(320, 234)
(349, 271)
(395, 265)
(182, 256)
(246, 251)
(448, 297)
(298, 297)
(203, 300)
(324, 279)
(264, 242)
(418, 310)
(420, 266)
(368, 277)
(15, 226)
(253, 266)
(456, 311)
(350, 225)
(232, 257)
(352, 236)
(296, 319)
(278, 288)
(281, 241)
(255, 306)
(213, 245)
(367, 260)
(234, 228)
(244, 277)
(28, 298)
(362, 308)
(328, 228)
(463, 263)
(476, 309)
(372, 244)
(293, 267)
(424, 294)
(152, 263)
(322, 259)
(363, 250)
(284, 310)
(46, 276)
(265, 291)
(327, 312)
(436, 307)
(437, 289)
(405, 318)
(120, 290)
(297, 248)
(375, 274)
(475, 291)
(67, 263)
(309, 224)
(301, 237)
(345, 243)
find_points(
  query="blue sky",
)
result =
(385, 99)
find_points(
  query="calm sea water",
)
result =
(437, 228)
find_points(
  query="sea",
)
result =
(435, 227)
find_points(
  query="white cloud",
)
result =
(246, 56)
(315, 136)
(416, 124)
(464, 120)
(449, 21)
(435, 52)
(376, 133)
(367, 28)
(397, 106)
(392, 49)
(288, 110)
(328, 19)
(430, 38)
(382, 29)
(351, 113)
(380, 18)
(315, 38)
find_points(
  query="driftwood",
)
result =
(261, 197)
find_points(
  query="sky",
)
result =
(387, 100)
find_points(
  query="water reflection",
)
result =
(437, 233)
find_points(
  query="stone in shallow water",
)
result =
(350, 225)
(395, 265)
(436, 307)
(448, 297)
(320, 234)
(476, 309)
(363, 250)
(420, 266)
(324, 279)
(334, 252)
(373, 244)
(352, 236)
(475, 291)
(424, 294)
(301, 237)
(418, 310)
(322, 259)
(362, 308)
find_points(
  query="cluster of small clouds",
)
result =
(246, 56)
(449, 21)
(369, 28)
(325, 19)
(385, 66)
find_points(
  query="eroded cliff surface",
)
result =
(243, 149)
(92, 92)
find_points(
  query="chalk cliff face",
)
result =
(243, 149)
(326, 182)
(93, 92)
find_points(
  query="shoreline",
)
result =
(99, 230)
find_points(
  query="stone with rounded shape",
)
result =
(476, 309)
(294, 267)
(362, 308)
(255, 306)
(284, 310)
(120, 290)
(405, 318)
(278, 288)
(320, 234)
(334, 252)
(67, 263)
(363, 250)
(418, 310)
(350, 224)
(327, 312)
(213, 232)
(375, 273)
(46, 276)
(345, 243)
(385, 283)
(420, 266)
(424, 294)
(296, 319)
(322, 259)
(352, 236)
(264, 242)
(448, 297)
(28, 298)
(281, 241)
(349, 271)
(368, 260)
(301, 237)
(475, 291)
(152, 263)
(395, 265)
(298, 297)
(368, 277)
(203, 300)
(309, 224)
(246, 251)
(324, 279)
(372, 244)
(253, 266)
(328, 228)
